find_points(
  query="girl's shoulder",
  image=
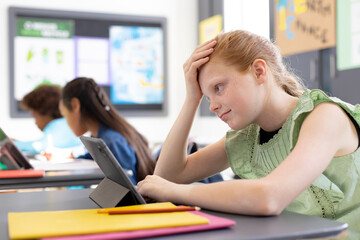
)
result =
(110, 135)
(318, 97)
(57, 123)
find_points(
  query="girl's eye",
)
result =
(218, 88)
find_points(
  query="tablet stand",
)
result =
(110, 194)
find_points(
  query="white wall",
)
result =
(248, 15)
(182, 38)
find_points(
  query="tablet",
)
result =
(10, 155)
(116, 189)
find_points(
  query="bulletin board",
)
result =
(304, 25)
(124, 54)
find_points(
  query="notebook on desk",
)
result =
(10, 155)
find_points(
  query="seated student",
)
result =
(293, 148)
(43, 103)
(86, 107)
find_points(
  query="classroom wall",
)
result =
(182, 39)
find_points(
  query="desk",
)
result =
(66, 178)
(286, 226)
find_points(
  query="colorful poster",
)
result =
(304, 25)
(44, 53)
(136, 65)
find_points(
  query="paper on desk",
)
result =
(30, 225)
(74, 164)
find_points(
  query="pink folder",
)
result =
(215, 223)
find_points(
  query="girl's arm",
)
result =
(325, 133)
(173, 163)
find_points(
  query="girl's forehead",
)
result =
(205, 73)
(213, 70)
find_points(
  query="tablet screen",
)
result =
(10, 155)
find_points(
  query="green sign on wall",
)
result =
(348, 34)
(31, 27)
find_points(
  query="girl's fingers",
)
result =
(195, 57)
(201, 54)
(204, 49)
(209, 44)
(195, 65)
(200, 51)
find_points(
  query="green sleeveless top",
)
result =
(335, 194)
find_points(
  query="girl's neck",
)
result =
(93, 127)
(276, 110)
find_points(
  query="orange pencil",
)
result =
(160, 210)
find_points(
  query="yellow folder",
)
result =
(29, 225)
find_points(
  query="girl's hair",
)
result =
(96, 105)
(241, 48)
(44, 99)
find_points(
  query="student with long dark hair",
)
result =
(86, 107)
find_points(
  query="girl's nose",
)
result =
(214, 106)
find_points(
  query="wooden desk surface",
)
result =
(286, 226)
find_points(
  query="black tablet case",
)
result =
(116, 189)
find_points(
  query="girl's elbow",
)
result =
(270, 204)
(269, 208)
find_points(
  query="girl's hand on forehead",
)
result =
(199, 57)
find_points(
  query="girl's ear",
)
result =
(75, 104)
(260, 70)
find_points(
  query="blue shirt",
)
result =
(60, 134)
(121, 149)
